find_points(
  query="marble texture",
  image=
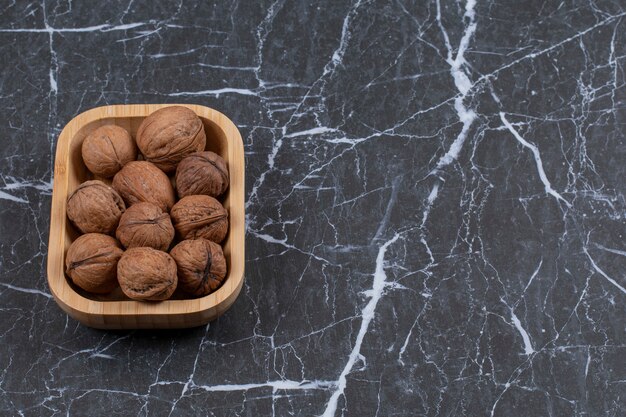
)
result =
(435, 206)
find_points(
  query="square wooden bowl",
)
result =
(114, 311)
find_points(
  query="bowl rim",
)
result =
(76, 304)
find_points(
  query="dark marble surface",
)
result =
(435, 204)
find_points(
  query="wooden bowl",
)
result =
(115, 311)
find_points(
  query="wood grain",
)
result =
(113, 311)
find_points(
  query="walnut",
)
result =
(201, 266)
(147, 274)
(107, 149)
(94, 207)
(91, 262)
(145, 224)
(169, 134)
(202, 173)
(141, 181)
(200, 216)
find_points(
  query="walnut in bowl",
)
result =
(94, 207)
(91, 262)
(107, 149)
(147, 274)
(201, 266)
(169, 134)
(202, 173)
(200, 216)
(145, 224)
(141, 181)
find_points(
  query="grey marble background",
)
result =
(435, 205)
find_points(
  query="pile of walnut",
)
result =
(141, 210)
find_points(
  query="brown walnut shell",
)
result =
(202, 173)
(169, 134)
(201, 266)
(107, 149)
(141, 181)
(147, 274)
(94, 207)
(200, 216)
(145, 224)
(91, 262)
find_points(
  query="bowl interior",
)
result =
(78, 173)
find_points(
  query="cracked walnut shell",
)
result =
(91, 262)
(169, 134)
(201, 266)
(202, 173)
(200, 216)
(107, 149)
(141, 181)
(145, 224)
(147, 274)
(94, 207)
